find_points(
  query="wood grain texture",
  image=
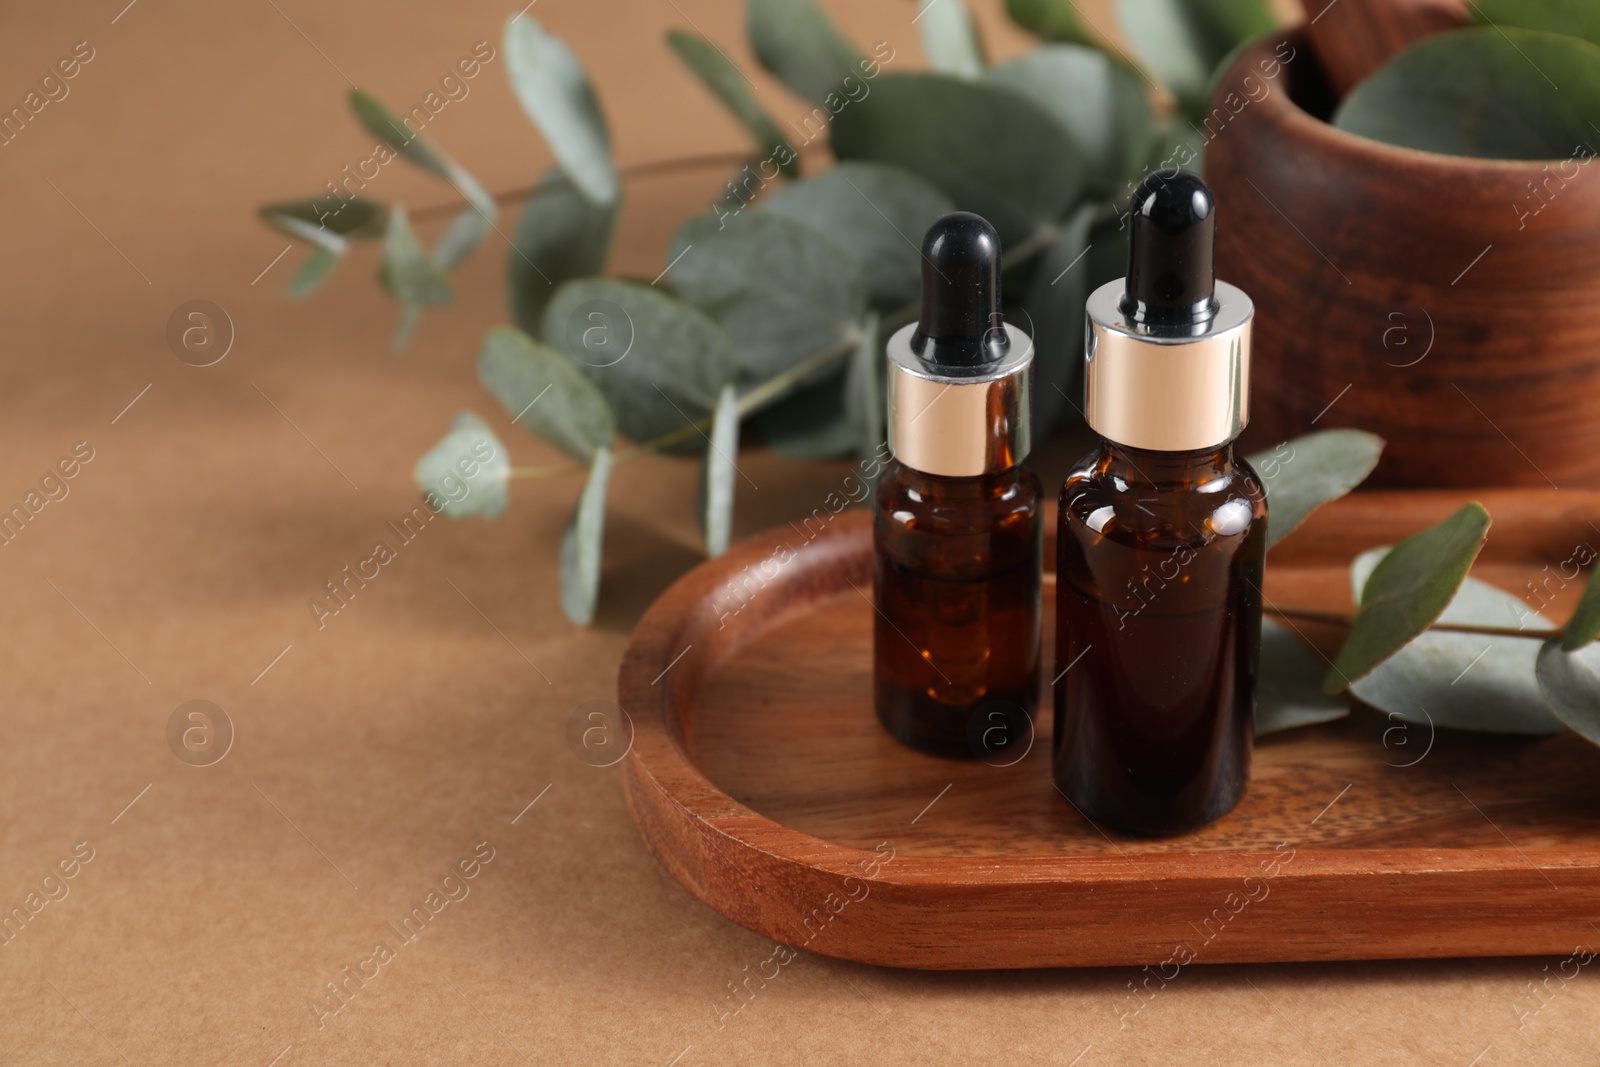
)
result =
(1436, 300)
(1353, 38)
(760, 778)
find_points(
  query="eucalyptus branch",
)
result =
(1336, 619)
(768, 392)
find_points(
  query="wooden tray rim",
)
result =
(746, 865)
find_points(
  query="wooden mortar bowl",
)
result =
(1435, 300)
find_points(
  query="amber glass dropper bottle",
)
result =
(1161, 537)
(957, 526)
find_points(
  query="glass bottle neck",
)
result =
(1159, 470)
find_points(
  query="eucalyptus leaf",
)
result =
(311, 234)
(466, 231)
(355, 217)
(1407, 591)
(409, 274)
(1463, 681)
(1108, 245)
(1099, 103)
(1236, 21)
(1288, 689)
(1054, 306)
(561, 235)
(1570, 682)
(1183, 41)
(1053, 20)
(878, 213)
(796, 41)
(1178, 143)
(466, 473)
(864, 405)
(554, 91)
(1584, 626)
(544, 393)
(580, 544)
(1483, 91)
(407, 270)
(782, 290)
(728, 84)
(313, 272)
(720, 471)
(992, 150)
(389, 127)
(1303, 474)
(949, 39)
(810, 423)
(659, 361)
(1575, 18)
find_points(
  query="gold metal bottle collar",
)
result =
(1162, 392)
(960, 425)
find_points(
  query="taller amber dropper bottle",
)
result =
(956, 525)
(1161, 537)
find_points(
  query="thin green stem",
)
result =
(1336, 619)
(1030, 246)
(647, 169)
(546, 472)
(780, 385)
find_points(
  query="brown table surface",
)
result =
(375, 753)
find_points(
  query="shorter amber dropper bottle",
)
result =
(1161, 537)
(957, 518)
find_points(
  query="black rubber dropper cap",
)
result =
(1171, 283)
(961, 324)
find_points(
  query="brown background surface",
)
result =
(379, 750)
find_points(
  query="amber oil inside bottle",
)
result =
(1158, 635)
(956, 586)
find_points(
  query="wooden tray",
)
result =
(759, 776)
